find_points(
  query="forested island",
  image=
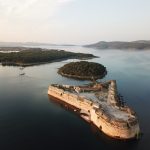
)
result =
(83, 70)
(33, 56)
(135, 45)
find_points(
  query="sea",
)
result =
(30, 120)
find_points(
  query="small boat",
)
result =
(21, 68)
(21, 74)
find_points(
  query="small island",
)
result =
(83, 70)
(35, 56)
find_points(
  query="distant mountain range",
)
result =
(137, 45)
(20, 44)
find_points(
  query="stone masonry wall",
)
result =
(104, 123)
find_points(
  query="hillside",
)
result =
(22, 44)
(136, 45)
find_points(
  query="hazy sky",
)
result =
(74, 21)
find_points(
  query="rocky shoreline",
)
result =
(82, 77)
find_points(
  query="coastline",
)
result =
(41, 63)
(37, 56)
(82, 77)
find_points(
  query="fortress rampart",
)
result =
(111, 118)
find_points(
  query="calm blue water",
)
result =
(30, 121)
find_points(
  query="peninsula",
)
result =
(22, 56)
(100, 104)
(83, 70)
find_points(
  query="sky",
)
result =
(74, 21)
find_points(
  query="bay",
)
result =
(30, 120)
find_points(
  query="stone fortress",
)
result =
(100, 104)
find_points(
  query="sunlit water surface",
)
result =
(30, 121)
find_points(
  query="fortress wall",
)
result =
(112, 98)
(112, 130)
(110, 126)
(70, 98)
(112, 93)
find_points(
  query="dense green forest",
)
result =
(83, 70)
(38, 56)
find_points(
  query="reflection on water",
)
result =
(28, 120)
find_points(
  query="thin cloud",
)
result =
(30, 8)
(65, 1)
